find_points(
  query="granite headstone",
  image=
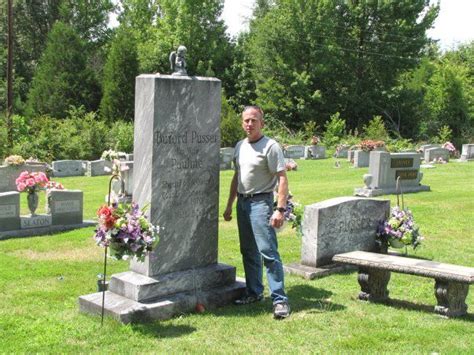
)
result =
(9, 211)
(467, 152)
(294, 152)
(63, 168)
(65, 206)
(433, 154)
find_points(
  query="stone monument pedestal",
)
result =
(176, 173)
(134, 297)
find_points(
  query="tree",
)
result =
(312, 58)
(120, 71)
(62, 78)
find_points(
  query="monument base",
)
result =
(310, 273)
(365, 192)
(44, 231)
(134, 297)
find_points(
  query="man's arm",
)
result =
(279, 217)
(231, 199)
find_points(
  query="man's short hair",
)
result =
(256, 108)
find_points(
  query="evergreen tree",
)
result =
(62, 78)
(120, 71)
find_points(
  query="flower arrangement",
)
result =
(440, 160)
(290, 164)
(109, 155)
(31, 182)
(124, 229)
(315, 140)
(449, 146)
(14, 160)
(293, 214)
(369, 145)
(53, 185)
(399, 230)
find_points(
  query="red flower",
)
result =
(106, 216)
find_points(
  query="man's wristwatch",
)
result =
(280, 209)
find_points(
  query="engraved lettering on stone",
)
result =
(67, 206)
(35, 222)
(406, 174)
(401, 163)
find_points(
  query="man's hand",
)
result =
(277, 220)
(228, 214)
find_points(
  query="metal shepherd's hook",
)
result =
(119, 178)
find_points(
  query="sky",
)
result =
(453, 25)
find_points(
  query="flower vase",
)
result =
(395, 243)
(33, 199)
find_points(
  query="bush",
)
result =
(231, 128)
(399, 145)
(444, 135)
(375, 129)
(120, 137)
(334, 132)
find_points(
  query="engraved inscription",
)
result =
(406, 174)
(192, 137)
(67, 206)
(8, 211)
(35, 222)
(401, 163)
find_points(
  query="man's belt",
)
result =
(254, 195)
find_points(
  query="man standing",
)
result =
(259, 167)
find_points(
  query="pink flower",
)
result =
(30, 182)
(20, 186)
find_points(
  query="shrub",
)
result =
(334, 132)
(399, 145)
(231, 129)
(375, 129)
(445, 134)
(120, 136)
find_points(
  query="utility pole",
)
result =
(10, 75)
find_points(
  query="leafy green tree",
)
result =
(118, 84)
(63, 78)
(312, 58)
(335, 130)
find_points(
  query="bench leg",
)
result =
(451, 297)
(373, 284)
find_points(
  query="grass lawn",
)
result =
(42, 277)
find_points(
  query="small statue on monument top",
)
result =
(177, 61)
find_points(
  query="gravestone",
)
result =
(428, 146)
(63, 168)
(127, 176)
(350, 155)
(361, 159)
(176, 171)
(432, 154)
(65, 206)
(467, 152)
(294, 152)
(334, 226)
(9, 210)
(384, 170)
(226, 157)
(342, 152)
(9, 173)
(315, 152)
(98, 167)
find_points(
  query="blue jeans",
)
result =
(258, 240)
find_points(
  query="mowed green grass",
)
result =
(42, 277)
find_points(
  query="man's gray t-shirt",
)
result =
(257, 164)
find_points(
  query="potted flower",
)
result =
(124, 229)
(31, 183)
(369, 145)
(399, 230)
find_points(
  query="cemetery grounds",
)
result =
(41, 279)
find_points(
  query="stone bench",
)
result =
(451, 281)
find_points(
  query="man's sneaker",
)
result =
(281, 310)
(247, 299)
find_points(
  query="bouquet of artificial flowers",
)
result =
(31, 182)
(124, 229)
(399, 230)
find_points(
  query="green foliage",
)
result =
(62, 78)
(335, 130)
(399, 145)
(120, 137)
(118, 84)
(310, 129)
(311, 58)
(445, 134)
(231, 127)
(375, 129)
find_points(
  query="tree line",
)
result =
(301, 60)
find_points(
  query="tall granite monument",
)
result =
(176, 172)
